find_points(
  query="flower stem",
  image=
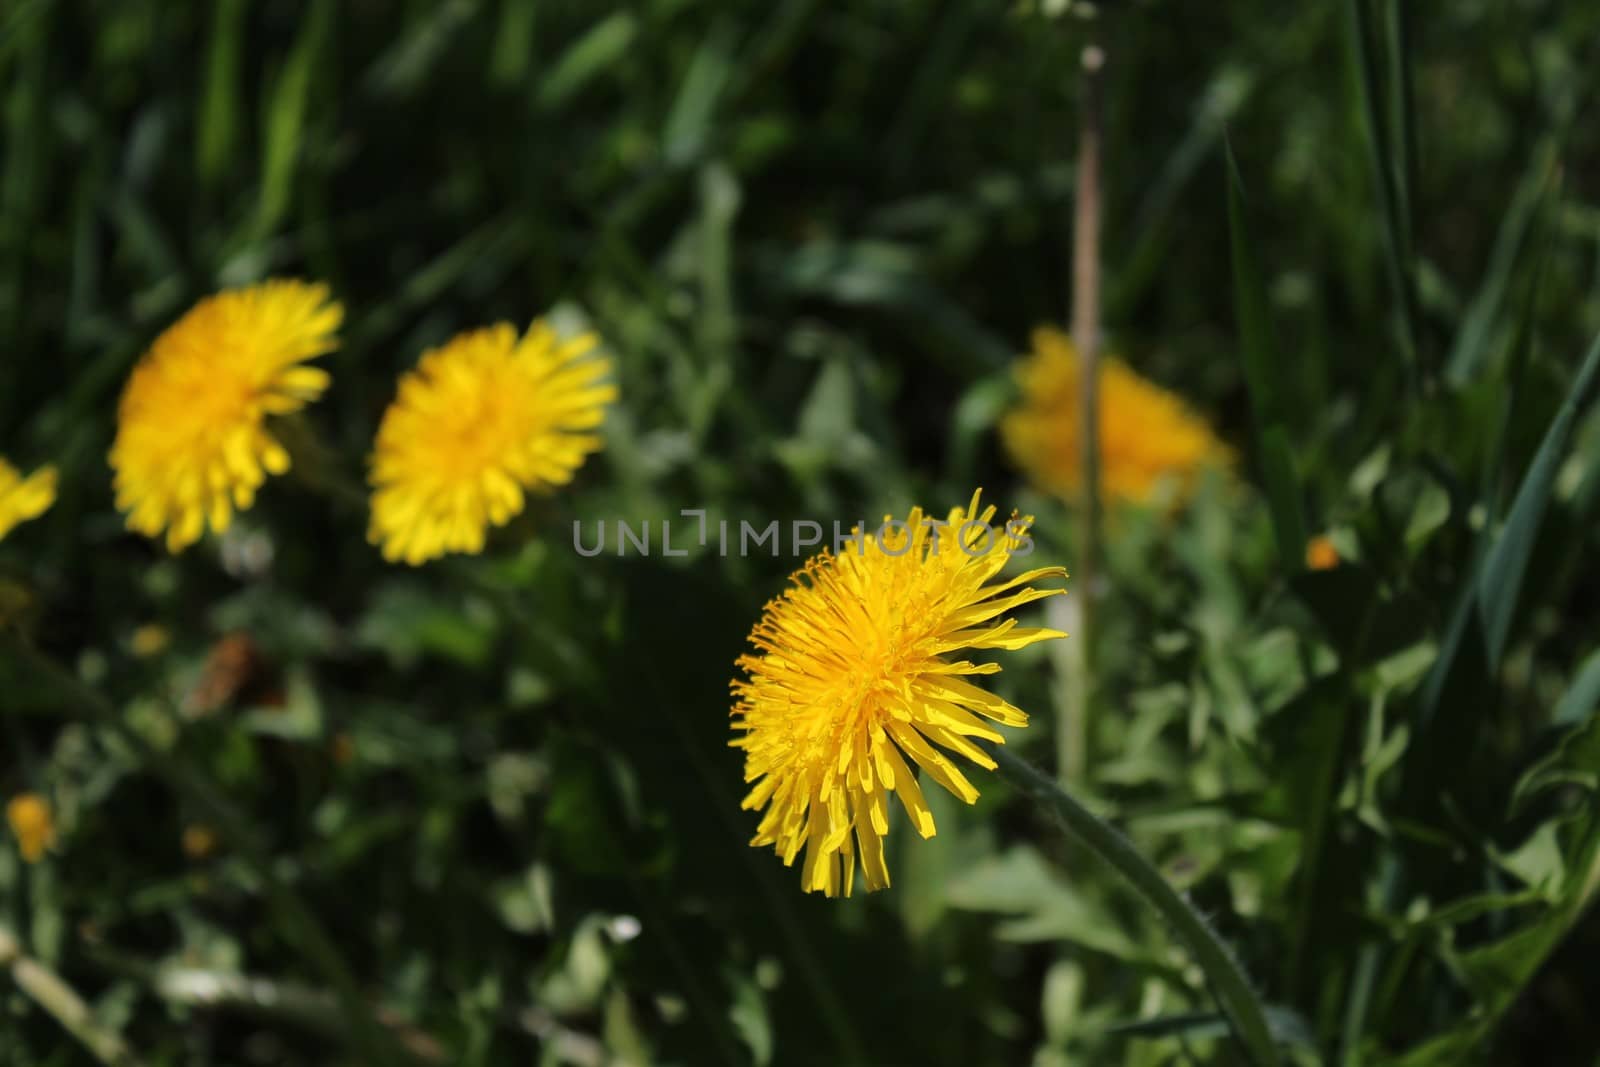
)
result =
(1073, 730)
(1228, 983)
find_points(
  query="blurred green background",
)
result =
(815, 237)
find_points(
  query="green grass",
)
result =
(489, 803)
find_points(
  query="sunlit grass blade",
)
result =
(597, 51)
(286, 117)
(691, 120)
(513, 42)
(219, 102)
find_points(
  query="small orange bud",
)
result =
(1321, 555)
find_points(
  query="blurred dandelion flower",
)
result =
(192, 444)
(1321, 555)
(1147, 434)
(22, 498)
(32, 824)
(149, 640)
(199, 841)
(481, 421)
(852, 677)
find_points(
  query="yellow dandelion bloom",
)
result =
(1321, 555)
(32, 824)
(22, 498)
(481, 421)
(192, 442)
(1147, 434)
(853, 684)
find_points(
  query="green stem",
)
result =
(1228, 983)
(296, 918)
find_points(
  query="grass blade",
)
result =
(1365, 43)
(1402, 111)
(1261, 368)
(1507, 562)
(1472, 340)
(285, 121)
(1579, 701)
(513, 42)
(593, 54)
(1283, 496)
(219, 102)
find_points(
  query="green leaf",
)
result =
(1021, 883)
(976, 415)
(751, 1020)
(1583, 696)
(1563, 857)
(407, 622)
(891, 278)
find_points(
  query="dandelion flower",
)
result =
(192, 441)
(199, 841)
(1321, 555)
(853, 683)
(1147, 434)
(480, 422)
(32, 824)
(22, 498)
